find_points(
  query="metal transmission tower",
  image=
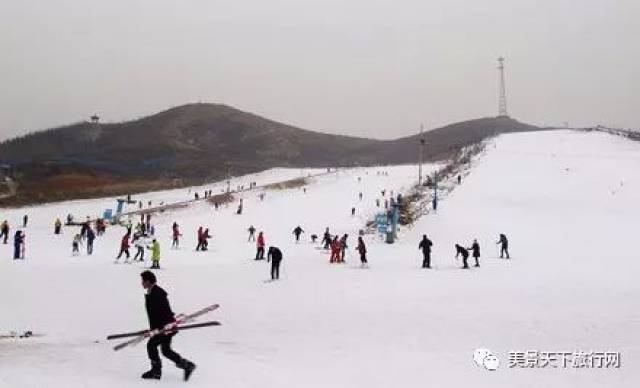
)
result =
(502, 99)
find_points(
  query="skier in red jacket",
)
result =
(124, 248)
(336, 247)
(260, 245)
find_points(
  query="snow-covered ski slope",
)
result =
(568, 202)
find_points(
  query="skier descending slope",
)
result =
(275, 256)
(425, 245)
(297, 232)
(160, 314)
(465, 255)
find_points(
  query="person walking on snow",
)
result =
(4, 231)
(252, 233)
(205, 239)
(18, 240)
(139, 243)
(200, 241)
(57, 226)
(155, 254)
(475, 251)
(297, 232)
(465, 254)
(260, 247)
(326, 239)
(504, 246)
(343, 247)
(425, 245)
(362, 249)
(160, 314)
(275, 256)
(75, 245)
(124, 248)
(91, 236)
(335, 250)
(176, 236)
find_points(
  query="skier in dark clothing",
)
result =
(160, 314)
(362, 249)
(475, 251)
(275, 256)
(326, 239)
(425, 245)
(252, 233)
(504, 246)
(200, 239)
(465, 254)
(314, 237)
(90, 237)
(343, 247)
(4, 231)
(298, 231)
(18, 240)
(25, 219)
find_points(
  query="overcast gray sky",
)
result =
(361, 67)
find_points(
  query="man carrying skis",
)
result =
(275, 256)
(297, 232)
(504, 246)
(425, 245)
(160, 314)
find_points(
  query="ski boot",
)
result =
(188, 368)
(154, 373)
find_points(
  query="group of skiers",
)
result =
(426, 244)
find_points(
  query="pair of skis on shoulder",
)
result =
(177, 325)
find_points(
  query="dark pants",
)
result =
(260, 253)
(125, 251)
(89, 247)
(164, 341)
(464, 262)
(477, 262)
(504, 250)
(297, 238)
(200, 246)
(16, 251)
(57, 230)
(426, 261)
(363, 257)
(275, 269)
(139, 252)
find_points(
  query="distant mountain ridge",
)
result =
(196, 143)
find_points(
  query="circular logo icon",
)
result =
(485, 358)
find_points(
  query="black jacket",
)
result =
(476, 250)
(158, 309)
(274, 254)
(425, 245)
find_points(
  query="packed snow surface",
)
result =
(568, 202)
